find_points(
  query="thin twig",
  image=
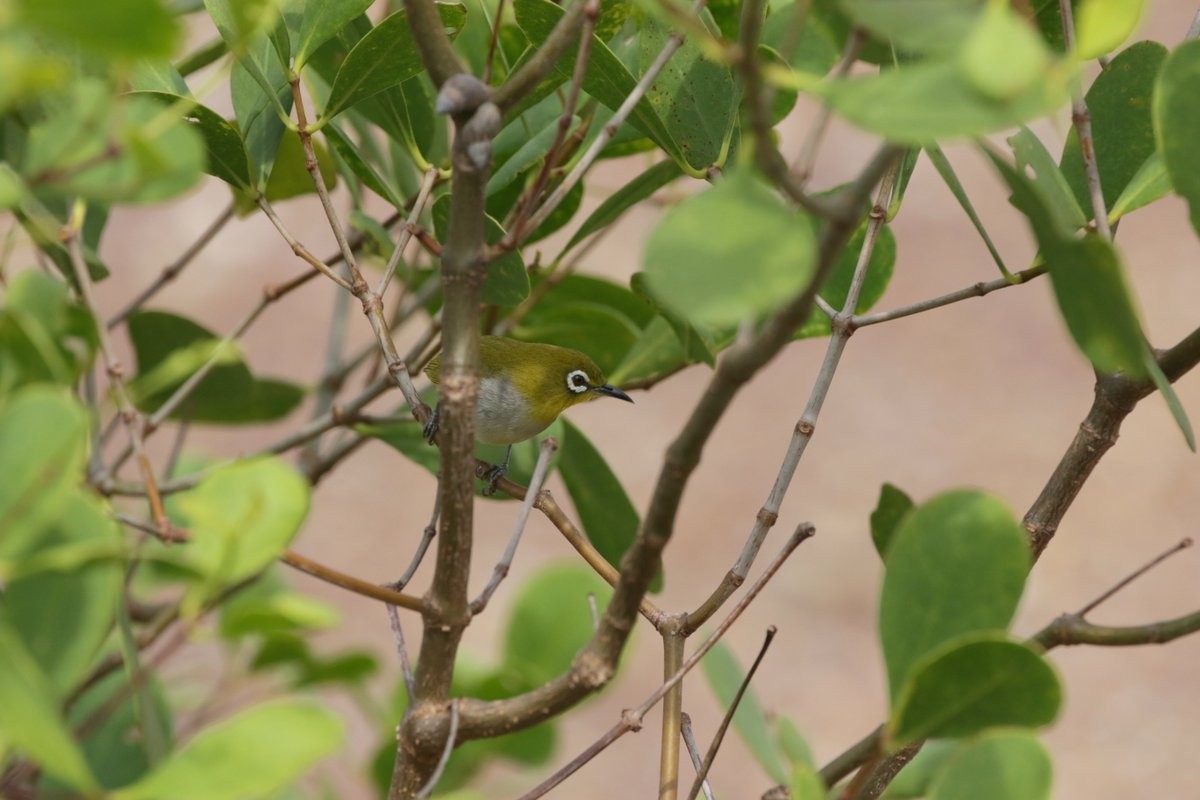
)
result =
(492, 41)
(689, 741)
(545, 450)
(803, 431)
(802, 165)
(536, 68)
(719, 736)
(116, 379)
(431, 784)
(974, 290)
(673, 43)
(631, 719)
(591, 12)
(1139, 572)
(394, 615)
(1082, 119)
(172, 270)
(349, 582)
(327, 386)
(300, 250)
(406, 230)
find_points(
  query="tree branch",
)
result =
(531, 73)
(436, 53)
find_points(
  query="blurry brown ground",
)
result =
(985, 393)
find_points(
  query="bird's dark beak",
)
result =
(612, 391)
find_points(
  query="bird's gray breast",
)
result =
(503, 416)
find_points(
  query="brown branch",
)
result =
(350, 583)
(1082, 120)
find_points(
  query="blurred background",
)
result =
(986, 393)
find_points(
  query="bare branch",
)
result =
(430, 35)
(350, 583)
(719, 736)
(545, 450)
(529, 75)
(1139, 572)
(406, 231)
(674, 640)
(974, 290)
(689, 739)
(1082, 119)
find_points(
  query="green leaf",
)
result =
(1003, 56)
(791, 742)
(507, 282)
(765, 257)
(1172, 400)
(65, 616)
(971, 683)
(349, 153)
(289, 174)
(957, 564)
(126, 29)
(240, 21)
(29, 717)
(837, 285)
(1089, 284)
(1176, 120)
(251, 754)
(1066, 209)
(999, 765)
(890, 511)
(229, 394)
(656, 353)
(241, 517)
(724, 675)
(1149, 184)
(1119, 103)
(806, 783)
(311, 23)
(550, 620)
(531, 152)
(384, 58)
(629, 195)
(696, 98)
(813, 50)
(918, 103)
(578, 288)
(116, 747)
(917, 26)
(223, 143)
(606, 78)
(261, 96)
(608, 517)
(950, 178)
(43, 338)
(1103, 25)
(267, 608)
(43, 441)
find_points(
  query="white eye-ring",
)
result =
(577, 381)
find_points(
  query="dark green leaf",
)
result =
(254, 753)
(551, 620)
(507, 282)
(999, 765)
(310, 23)
(560, 216)
(957, 564)
(625, 198)
(1122, 129)
(578, 288)
(125, 29)
(1176, 120)
(229, 394)
(29, 716)
(971, 683)
(532, 151)
(349, 153)
(1089, 284)
(1148, 184)
(64, 617)
(656, 353)
(724, 675)
(606, 79)
(1032, 155)
(608, 517)
(764, 256)
(890, 510)
(289, 174)
(385, 57)
(261, 96)
(223, 144)
(43, 440)
(696, 98)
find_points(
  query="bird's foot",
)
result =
(492, 476)
(431, 425)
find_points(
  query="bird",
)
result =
(523, 388)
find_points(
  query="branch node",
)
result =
(461, 94)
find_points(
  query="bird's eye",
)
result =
(577, 381)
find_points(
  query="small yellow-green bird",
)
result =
(523, 388)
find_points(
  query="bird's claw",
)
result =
(491, 477)
(430, 430)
